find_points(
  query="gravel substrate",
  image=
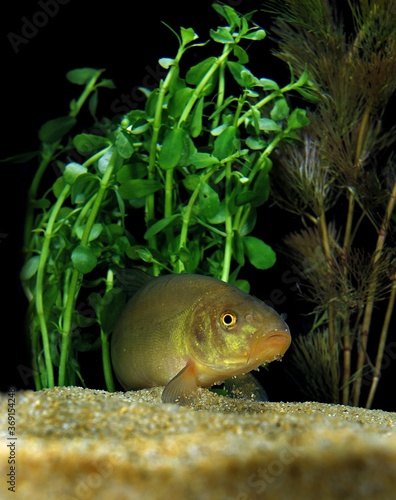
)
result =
(74, 443)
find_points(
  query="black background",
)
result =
(127, 39)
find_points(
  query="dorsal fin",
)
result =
(131, 279)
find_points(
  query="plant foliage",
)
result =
(173, 186)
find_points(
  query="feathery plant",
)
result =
(342, 184)
(173, 187)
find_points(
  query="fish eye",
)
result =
(228, 319)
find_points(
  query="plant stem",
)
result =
(200, 87)
(32, 195)
(371, 294)
(381, 345)
(228, 227)
(346, 339)
(40, 285)
(188, 212)
(76, 275)
(108, 375)
(150, 199)
(330, 308)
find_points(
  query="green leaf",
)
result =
(54, 130)
(30, 267)
(191, 182)
(139, 188)
(82, 76)
(245, 197)
(259, 34)
(88, 144)
(160, 225)
(20, 158)
(260, 255)
(203, 160)
(222, 35)
(302, 80)
(226, 143)
(166, 62)
(241, 54)
(269, 125)
(72, 171)
(281, 110)
(191, 256)
(176, 149)
(196, 118)
(228, 13)
(187, 35)
(297, 119)
(178, 101)
(238, 249)
(95, 232)
(135, 170)
(124, 144)
(249, 223)
(196, 73)
(261, 188)
(93, 103)
(268, 84)
(84, 259)
(255, 143)
(151, 103)
(58, 185)
(310, 95)
(208, 202)
(111, 306)
(242, 75)
(106, 83)
(243, 285)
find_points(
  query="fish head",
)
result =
(235, 333)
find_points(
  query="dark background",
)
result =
(127, 39)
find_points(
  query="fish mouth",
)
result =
(269, 348)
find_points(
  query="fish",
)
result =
(185, 331)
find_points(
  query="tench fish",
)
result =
(185, 331)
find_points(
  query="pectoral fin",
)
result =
(245, 387)
(182, 387)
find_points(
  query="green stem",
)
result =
(31, 197)
(150, 199)
(40, 285)
(200, 87)
(108, 374)
(228, 227)
(188, 212)
(220, 94)
(265, 101)
(76, 275)
(168, 193)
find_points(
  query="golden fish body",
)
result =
(186, 331)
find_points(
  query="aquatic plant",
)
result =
(341, 183)
(173, 186)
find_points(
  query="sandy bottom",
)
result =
(74, 443)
